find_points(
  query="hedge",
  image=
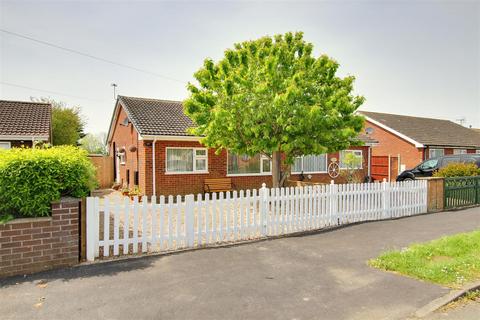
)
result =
(456, 169)
(30, 179)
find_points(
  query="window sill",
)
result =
(314, 172)
(248, 174)
(187, 172)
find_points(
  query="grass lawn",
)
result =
(451, 261)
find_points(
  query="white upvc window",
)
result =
(477, 151)
(121, 156)
(459, 151)
(358, 156)
(310, 164)
(244, 165)
(5, 145)
(186, 160)
(435, 153)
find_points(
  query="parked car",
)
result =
(428, 167)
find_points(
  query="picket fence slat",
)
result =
(174, 223)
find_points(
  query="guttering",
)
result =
(26, 138)
(170, 138)
(395, 132)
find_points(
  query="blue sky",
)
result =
(409, 57)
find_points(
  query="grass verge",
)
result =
(450, 261)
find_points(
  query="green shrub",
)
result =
(30, 179)
(455, 169)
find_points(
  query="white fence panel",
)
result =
(120, 226)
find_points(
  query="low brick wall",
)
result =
(37, 244)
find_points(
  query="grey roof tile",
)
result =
(20, 118)
(428, 131)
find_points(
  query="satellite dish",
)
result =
(369, 130)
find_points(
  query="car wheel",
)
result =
(408, 179)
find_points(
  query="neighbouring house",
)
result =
(416, 139)
(23, 124)
(151, 149)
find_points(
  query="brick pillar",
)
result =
(31, 245)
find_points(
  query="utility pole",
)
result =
(114, 85)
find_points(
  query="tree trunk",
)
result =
(276, 169)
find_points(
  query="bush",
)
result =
(30, 179)
(455, 169)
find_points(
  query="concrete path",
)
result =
(468, 311)
(321, 276)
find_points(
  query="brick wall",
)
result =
(390, 144)
(126, 137)
(37, 244)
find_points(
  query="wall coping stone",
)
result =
(28, 220)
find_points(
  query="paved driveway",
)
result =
(321, 276)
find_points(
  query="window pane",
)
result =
(200, 164)
(297, 165)
(4, 145)
(179, 160)
(243, 164)
(351, 159)
(459, 151)
(266, 165)
(314, 163)
(435, 153)
(200, 153)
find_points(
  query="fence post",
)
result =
(189, 220)
(333, 203)
(385, 199)
(263, 208)
(90, 229)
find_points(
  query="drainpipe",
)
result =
(369, 163)
(153, 167)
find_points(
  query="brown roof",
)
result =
(157, 117)
(166, 117)
(428, 131)
(20, 118)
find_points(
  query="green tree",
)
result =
(94, 143)
(67, 122)
(272, 96)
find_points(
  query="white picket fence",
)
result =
(119, 226)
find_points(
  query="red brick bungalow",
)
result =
(152, 149)
(416, 139)
(24, 123)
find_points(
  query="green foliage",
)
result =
(67, 123)
(272, 95)
(94, 144)
(30, 179)
(452, 260)
(350, 173)
(455, 169)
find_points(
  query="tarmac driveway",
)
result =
(320, 276)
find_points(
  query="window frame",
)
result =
(194, 158)
(122, 157)
(477, 151)
(7, 143)
(430, 153)
(460, 151)
(350, 150)
(262, 157)
(312, 172)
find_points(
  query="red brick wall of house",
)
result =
(37, 244)
(126, 137)
(390, 144)
(325, 178)
(173, 184)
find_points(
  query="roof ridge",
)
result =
(405, 115)
(149, 99)
(30, 102)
